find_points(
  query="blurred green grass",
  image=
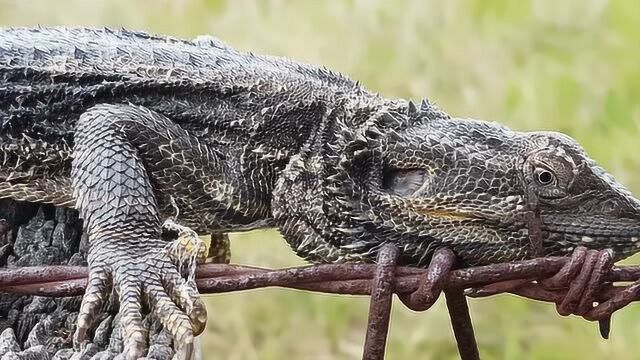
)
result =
(562, 65)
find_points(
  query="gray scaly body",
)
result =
(132, 129)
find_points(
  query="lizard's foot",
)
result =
(151, 278)
(431, 283)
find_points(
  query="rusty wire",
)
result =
(348, 279)
(352, 279)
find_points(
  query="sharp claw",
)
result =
(198, 317)
(136, 343)
(188, 299)
(79, 337)
(186, 352)
(171, 317)
(131, 309)
(92, 302)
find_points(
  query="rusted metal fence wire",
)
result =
(520, 278)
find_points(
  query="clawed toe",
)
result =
(170, 315)
(99, 285)
(185, 295)
(173, 300)
(130, 296)
(176, 303)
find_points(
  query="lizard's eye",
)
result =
(544, 176)
(404, 182)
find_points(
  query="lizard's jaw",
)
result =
(479, 228)
(565, 232)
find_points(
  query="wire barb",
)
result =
(523, 278)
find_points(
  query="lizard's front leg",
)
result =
(114, 148)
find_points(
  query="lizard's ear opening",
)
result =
(403, 182)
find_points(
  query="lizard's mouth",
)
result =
(595, 231)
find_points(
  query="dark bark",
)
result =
(42, 328)
(34, 235)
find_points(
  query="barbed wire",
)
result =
(520, 278)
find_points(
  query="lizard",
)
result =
(131, 128)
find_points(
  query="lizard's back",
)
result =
(50, 76)
(40, 67)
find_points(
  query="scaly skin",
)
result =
(132, 129)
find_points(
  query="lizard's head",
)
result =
(473, 185)
(418, 178)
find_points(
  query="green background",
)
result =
(571, 66)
